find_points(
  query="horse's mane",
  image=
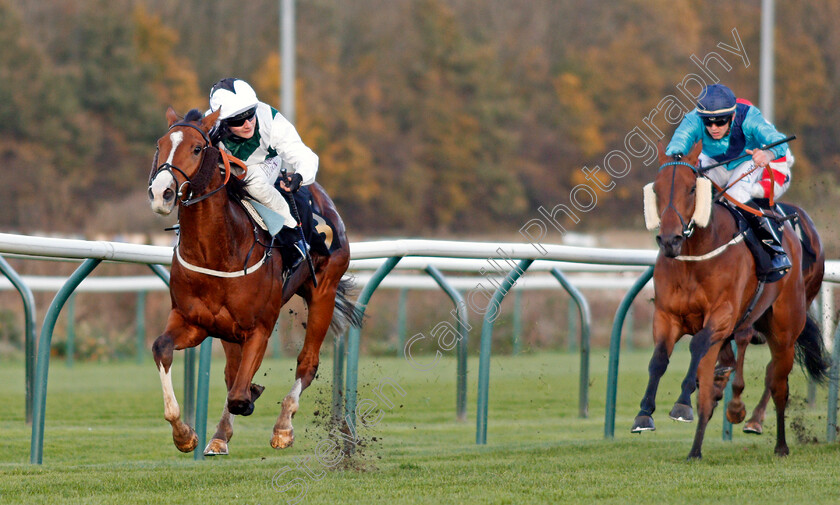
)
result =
(235, 187)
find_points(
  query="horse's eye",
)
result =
(693, 189)
(197, 150)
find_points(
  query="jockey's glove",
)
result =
(293, 182)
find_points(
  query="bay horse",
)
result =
(226, 283)
(705, 286)
(813, 268)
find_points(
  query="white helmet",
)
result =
(233, 96)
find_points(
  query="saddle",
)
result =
(320, 233)
(779, 213)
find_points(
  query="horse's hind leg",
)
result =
(321, 304)
(665, 334)
(175, 337)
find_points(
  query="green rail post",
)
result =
(615, 350)
(401, 321)
(571, 340)
(353, 340)
(486, 340)
(71, 330)
(206, 355)
(36, 448)
(831, 427)
(727, 397)
(630, 329)
(339, 349)
(189, 385)
(517, 322)
(277, 351)
(585, 329)
(29, 330)
(140, 343)
(461, 313)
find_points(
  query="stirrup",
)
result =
(302, 248)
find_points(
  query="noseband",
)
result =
(687, 228)
(205, 160)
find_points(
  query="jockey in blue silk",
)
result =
(729, 128)
(261, 137)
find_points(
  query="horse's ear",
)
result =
(663, 158)
(209, 122)
(691, 159)
(171, 116)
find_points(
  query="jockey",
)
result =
(260, 136)
(728, 128)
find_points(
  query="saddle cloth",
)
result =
(319, 231)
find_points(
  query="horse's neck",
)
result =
(214, 231)
(705, 240)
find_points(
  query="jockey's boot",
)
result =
(296, 247)
(770, 234)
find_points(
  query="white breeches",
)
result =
(260, 184)
(758, 183)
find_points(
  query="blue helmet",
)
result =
(716, 101)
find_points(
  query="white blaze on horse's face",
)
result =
(163, 190)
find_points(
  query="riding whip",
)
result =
(293, 207)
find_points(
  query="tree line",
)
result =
(429, 116)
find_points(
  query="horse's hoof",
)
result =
(754, 428)
(642, 423)
(682, 413)
(241, 407)
(283, 438)
(736, 412)
(256, 391)
(694, 457)
(185, 439)
(782, 451)
(216, 447)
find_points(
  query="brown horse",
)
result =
(813, 268)
(226, 283)
(705, 286)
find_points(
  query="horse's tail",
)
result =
(346, 312)
(811, 353)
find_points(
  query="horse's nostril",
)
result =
(168, 194)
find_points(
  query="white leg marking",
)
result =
(295, 392)
(170, 404)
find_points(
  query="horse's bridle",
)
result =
(687, 228)
(205, 160)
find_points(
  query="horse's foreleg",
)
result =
(243, 393)
(218, 445)
(706, 397)
(182, 434)
(736, 411)
(665, 334)
(321, 304)
(682, 410)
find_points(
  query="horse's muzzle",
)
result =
(162, 193)
(670, 245)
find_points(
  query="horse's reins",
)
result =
(226, 161)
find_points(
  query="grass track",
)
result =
(106, 441)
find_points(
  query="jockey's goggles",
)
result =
(716, 121)
(239, 119)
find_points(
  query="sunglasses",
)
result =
(708, 121)
(239, 119)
